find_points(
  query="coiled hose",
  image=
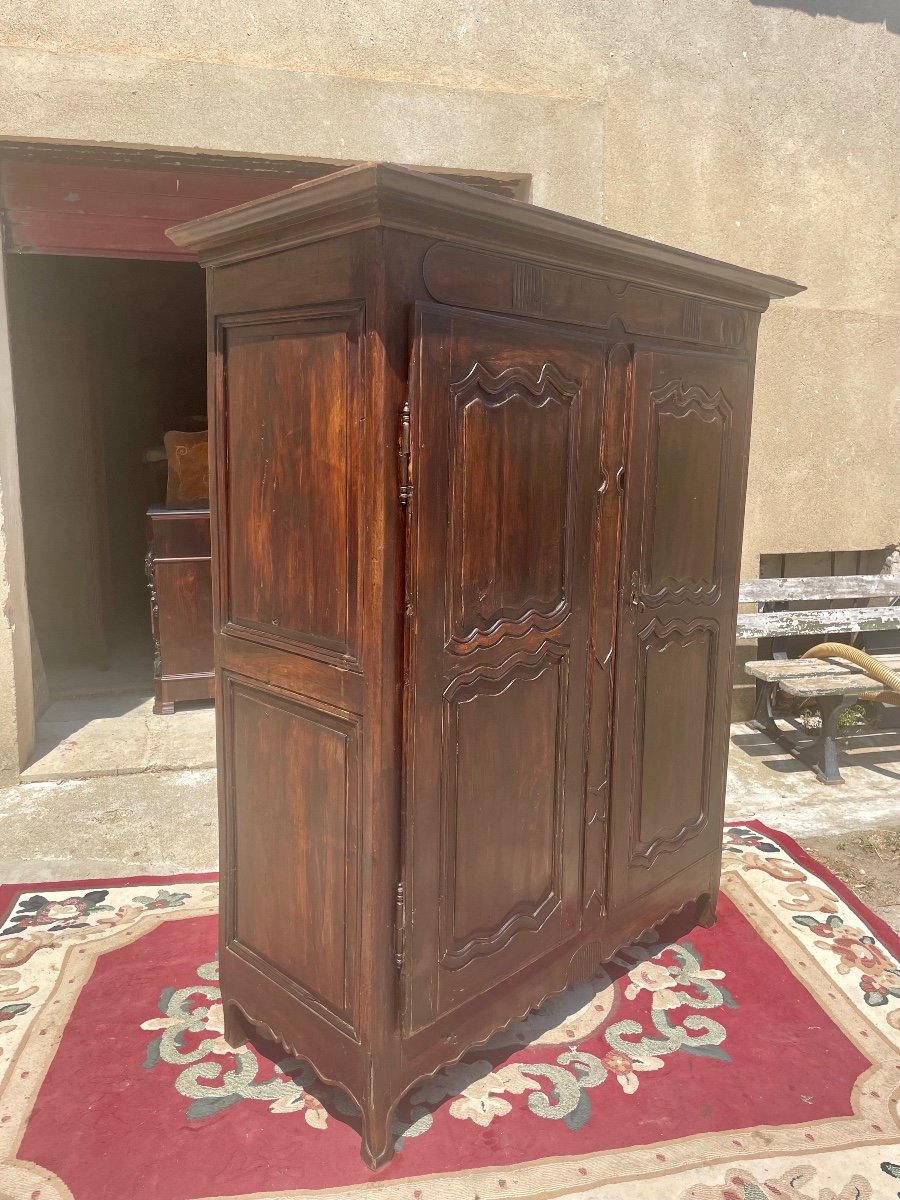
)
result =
(872, 666)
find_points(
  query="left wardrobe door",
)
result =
(505, 431)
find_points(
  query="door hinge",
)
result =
(634, 599)
(399, 926)
(405, 485)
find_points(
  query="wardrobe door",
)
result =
(505, 419)
(684, 515)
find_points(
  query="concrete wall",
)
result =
(744, 129)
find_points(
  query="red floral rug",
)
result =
(756, 1060)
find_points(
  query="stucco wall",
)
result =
(16, 703)
(737, 128)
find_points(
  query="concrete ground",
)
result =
(766, 782)
(151, 823)
(113, 789)
(102, 735)
(854, 827)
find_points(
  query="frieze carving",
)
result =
(528, 289)
(692, 319)
(494, 283)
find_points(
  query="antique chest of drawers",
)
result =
(178, 574)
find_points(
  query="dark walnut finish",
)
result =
(179, 579)
(478, 491)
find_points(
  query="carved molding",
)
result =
(692, 316)
(692, 397)
(506, 669)
(528, 289)
(280, 1039)
(678, 401)
(494, 681)
(491, 941)
(501, 385)
(493, 392)
(657, 637)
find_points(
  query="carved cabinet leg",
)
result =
(706, 908)
(236, 1029)
(378, 1131)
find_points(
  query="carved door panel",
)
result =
(505, 421)
(684, 514)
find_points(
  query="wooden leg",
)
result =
(164, 708)
(235, 1032)
(706, 909)
(378, 1132)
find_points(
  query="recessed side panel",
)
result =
(292, 402)
(292, 808)
(504, 752)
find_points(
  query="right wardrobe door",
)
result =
(681, 555)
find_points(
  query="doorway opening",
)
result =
(108, 356)
(108, 346)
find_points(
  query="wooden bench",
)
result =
(834, 685)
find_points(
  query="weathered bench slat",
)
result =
(813, 668)
(819, 587)
(817, 621)
(830, 685)
(839, 682)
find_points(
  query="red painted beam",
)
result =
(58, 208)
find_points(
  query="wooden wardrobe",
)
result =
(478, 488)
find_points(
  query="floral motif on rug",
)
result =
(214, 1076)
(755, 1060)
